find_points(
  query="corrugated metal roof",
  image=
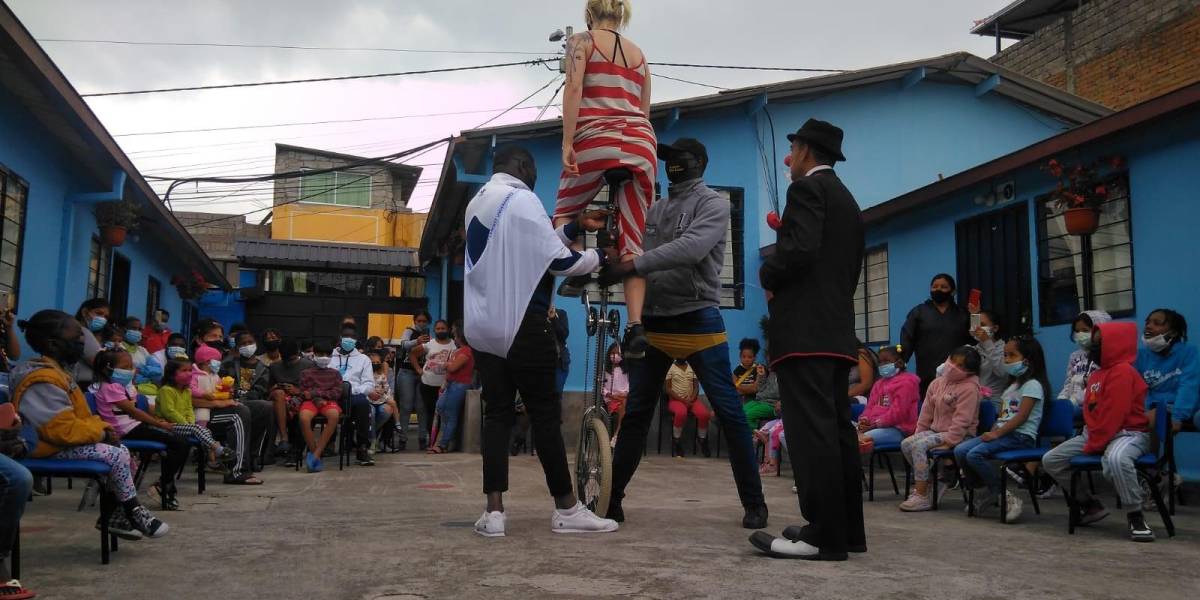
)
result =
(326, 256)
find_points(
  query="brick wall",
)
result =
(1121, 52)
(384, 193)
(216, 238)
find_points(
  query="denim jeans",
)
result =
(408, 400)
(15, 484)
(450, 406)
(712, 368)
(974, 457)
(885, 435)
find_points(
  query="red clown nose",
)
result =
(787, 161)
(773, 220)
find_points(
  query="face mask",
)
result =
(442, 335)
(271, 345)
(1016, 369)
(348, 344)
(941, 370)
(952, 372)
(683, 167)
(215, 365)
(174, 352)
(888, 370)
(133, 336)
(616, 359)
(95, 324)
(321, 361)
(939, 297)
(420, 327)
(110, 345)
(1083, 339)
(122, 376)
(248, 351)
(1157, 343)
(183, 378)
(376, 367)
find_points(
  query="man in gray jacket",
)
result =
(684, 254)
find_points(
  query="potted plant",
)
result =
(115, 220)
(1080, 194)
(190, 286)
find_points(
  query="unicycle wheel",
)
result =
(593, 467)
(614, 323)
(593, 321)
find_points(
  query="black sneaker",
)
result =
(615, 512)
(676, 449)
(1092, 511)
(119, 525)
(704, 448)
(1139, 531)
(572, 287)
(145, 522)
(364, 458)
(635, 344)
(755, 517)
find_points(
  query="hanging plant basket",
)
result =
(113, 235)
(1082, 221)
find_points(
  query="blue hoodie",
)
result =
(1174, 378)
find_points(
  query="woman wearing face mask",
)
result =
(436, 354)
(209, 333)
(1170, 367)
(92, 316)
(934, 328)
(992, 375)
(251, 388)
(408, 383)
(270, 347)
(49, 401)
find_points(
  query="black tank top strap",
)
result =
(618, 48)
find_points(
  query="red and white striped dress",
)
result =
(612, 132)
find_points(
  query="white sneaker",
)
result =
(1012, 507)
(491, 524)
(580, 520)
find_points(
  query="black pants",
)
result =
(360, 413)
(177, 451)
(530, 370)
(429, 398)
(262, 424)
(823, 448)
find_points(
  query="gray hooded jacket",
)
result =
(684, 250)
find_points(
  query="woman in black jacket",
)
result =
(934, 328)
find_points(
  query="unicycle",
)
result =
(593, 463)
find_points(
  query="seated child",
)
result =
(770, 435)
(1021, 407)
(206, 384)
(322, 390)
(1117, 427)
(891, 413)
(175, 407)
(949, 415)
(683, 396)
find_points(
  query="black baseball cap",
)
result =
(689, 145)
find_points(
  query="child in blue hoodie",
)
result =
(1170, 366)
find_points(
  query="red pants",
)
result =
(680, 410)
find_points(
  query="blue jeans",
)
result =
(449, 406)
(712, 368)
(974, 456)
(886, 435)
(408, 400)
(15, 484)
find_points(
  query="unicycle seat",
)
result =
(616, 177)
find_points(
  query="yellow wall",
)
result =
(326, 223)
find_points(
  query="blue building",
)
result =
(996, 226)
(57, 162)
(906, 125)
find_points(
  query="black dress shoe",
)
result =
(756, 517)
(795, 533)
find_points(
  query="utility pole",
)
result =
(560, 36)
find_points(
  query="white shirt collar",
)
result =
(509, 180)
(818, 168)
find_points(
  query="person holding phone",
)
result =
(934, 328)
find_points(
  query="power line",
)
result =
(521, 101)
(284, 47)
(317, 79)
(745, 68)
(715, 87)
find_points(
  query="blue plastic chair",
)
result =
(1058, 422)
(144, 448)
(84, 469)
(987, 418)
(1150, 467)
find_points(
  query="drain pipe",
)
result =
(68, 226)
(444, 311)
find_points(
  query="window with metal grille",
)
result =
(871, 299)
(732, 273)
(13, 195)
(1077, 273)
(153, 298)
(343, 188)
(98, 263)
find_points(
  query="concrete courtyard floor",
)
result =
(402, 529)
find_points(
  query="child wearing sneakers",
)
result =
(891, 413)
(1116, 427)
(950, 415)
(1021, 408)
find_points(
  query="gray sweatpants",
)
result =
(1117, 463)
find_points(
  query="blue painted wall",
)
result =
(896, 140)
(1161, 160)
(30, 151)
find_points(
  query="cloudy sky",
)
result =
(798, 33)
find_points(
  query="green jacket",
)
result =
(175, 405)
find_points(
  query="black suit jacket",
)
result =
(814, 271)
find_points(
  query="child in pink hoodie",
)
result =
(891, 413)
(949, 416)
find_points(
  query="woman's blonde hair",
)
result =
(617, 10)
